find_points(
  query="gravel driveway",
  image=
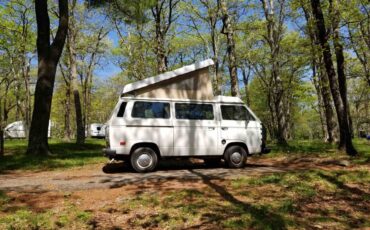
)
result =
(118, 174)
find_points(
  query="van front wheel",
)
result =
(235, 156)
(144, 159)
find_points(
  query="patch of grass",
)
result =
(25, 219)
(4, 199)
(355, 176)
(66, 155)
(318, 148)
(68, 218)
(337, 194)
(174, 209)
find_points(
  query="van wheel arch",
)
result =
(241, 144)
(148, 145)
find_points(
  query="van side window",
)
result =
(235, 112)
(194, 111)
(122, 109)
(151, 110)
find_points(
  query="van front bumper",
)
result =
(265, 150)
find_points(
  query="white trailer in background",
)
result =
(97, 130)
(17, 130)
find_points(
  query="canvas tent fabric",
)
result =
(188, 82)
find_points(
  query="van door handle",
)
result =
(211, 128)
(224, 128)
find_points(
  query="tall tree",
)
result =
(323, 37)
(71, 44)
(208, 12)
(320, 78)
(164, 15)
(228, 30)
(48, 58)
(335, 17)
(17, 29)
(274, 26)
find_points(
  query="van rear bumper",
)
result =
(110, 153)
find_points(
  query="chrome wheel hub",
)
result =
(144, 160)
(236, 157)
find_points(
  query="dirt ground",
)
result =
(95, 187)
(106, 182)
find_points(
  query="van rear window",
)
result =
(235, 112)
(151, 110)
(122, 109)
(194, 111)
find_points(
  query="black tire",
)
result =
(144, 159)
(212, 161)
(235, 156)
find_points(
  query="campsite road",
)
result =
(118, 175)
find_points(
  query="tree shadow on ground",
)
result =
(343, 186)
(170, 165)
(261, 214)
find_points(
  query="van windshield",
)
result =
(238, 113)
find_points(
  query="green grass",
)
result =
(285, 200)
(66, 155)
(69, 217)
(317, 148)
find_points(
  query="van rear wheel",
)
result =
(235, 156)
(144, 159)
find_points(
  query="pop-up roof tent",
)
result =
(188, 82)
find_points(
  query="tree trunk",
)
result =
(67, 116)
(322, 35)
(161, 56)
(331, 123)
(273, 129)
(27, 108)
(48, 58)
(161, 28)
(228, 30)
(246, 82)
(1, 131)
(342, 81)
(73, 73)
(320, 105)
(1, 141)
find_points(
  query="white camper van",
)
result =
(145, 129)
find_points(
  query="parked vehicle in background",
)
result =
(17, 130)
(97, 130)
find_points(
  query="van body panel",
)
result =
(192, 138)
(254, 137)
